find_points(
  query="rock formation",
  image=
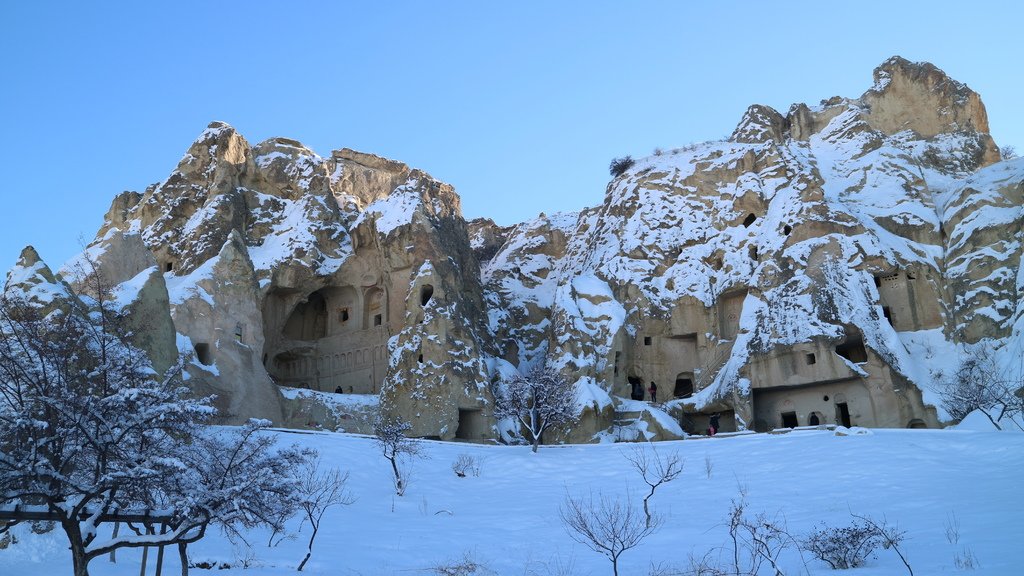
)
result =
(819, 266)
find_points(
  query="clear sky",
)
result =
(520, 105)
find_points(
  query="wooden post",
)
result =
(160, 552)
(113, 553)
(145, 551)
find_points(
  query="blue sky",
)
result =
(519, 105)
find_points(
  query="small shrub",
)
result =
(620, 165)
(466, 566)
(1008, 152)
(843, 547)
(965, 560)
(465, 465)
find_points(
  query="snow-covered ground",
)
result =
(924, 481)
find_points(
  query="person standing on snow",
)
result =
(654, 392)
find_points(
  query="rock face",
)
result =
(821, 266)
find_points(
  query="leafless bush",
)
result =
(850, 546)
(556, 566)
(619, 165)
(708, 466)
(704, 566)
(952, 526)
(754, 541)
(655, 470)
(842, 547)
(465, 566)
(465, 465)
(606, 525)
(965, 559)
(1008, 152)
(890, 536)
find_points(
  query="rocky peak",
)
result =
(760, 124)
(32, 281)
(366, 177)
(217, 156)
(915, 97)
(920, 97)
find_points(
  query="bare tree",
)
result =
(607, 526)
(395, 445)
(655, 470)
(538, 401)
(87, 427)
(1008, 152)
(756, 541)
(979, 383)
(318, 491)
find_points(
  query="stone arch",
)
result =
(916, 423)
(345, 323)
(375, 307)
(308, 320)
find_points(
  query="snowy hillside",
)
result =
(926, 482)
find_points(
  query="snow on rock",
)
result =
(853, 250)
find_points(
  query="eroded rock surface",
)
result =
(822, 266)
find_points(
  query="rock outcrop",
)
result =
(829, 265)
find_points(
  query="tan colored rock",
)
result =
(918, 96)
(217, 308)
(847, 231)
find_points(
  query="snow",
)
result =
(185, 287)
(331, 398)
(395, 210)
(293, 232)
(31, 283)
(128, 291)
(507, 518)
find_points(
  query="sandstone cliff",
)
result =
(826, 265)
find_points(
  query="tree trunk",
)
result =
(398, 476)
(183, 556)
(79, 559)
(310, 551)
(79, 562)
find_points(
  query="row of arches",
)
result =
(305, 367)
(334, 310)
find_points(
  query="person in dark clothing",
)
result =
(813, 420)
(654, 391)
(713, 426)
(338, 390)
